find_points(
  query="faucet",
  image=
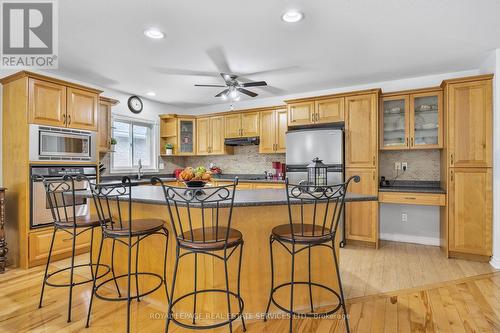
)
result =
(139, 171)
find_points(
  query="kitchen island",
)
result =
(255, 213)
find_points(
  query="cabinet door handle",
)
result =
(373, 160)
(451, 158)
(412, 142)
(69, 119)
(407, 143)
(410, 198)
(64, 119)
(451, 174)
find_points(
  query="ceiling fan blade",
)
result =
(228, 78)
(209, 85)
(183, 72)
(222, 93)
(218, 57)
(247, 92)
(254, 84)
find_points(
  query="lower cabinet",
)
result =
(470, 211)
(361, 218)
(39, 245)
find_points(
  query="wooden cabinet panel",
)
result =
(232, 125)
(361, 128)
(39, 245)
(265, 186)
(267, 132)
(47, 103)
(405, 198)
(469, 112)
(104, 126)
(300, 113)
(217, 135)
(281, 128)
(329, 110)
(203, 136)
(361, 218)
(82, 109)
(250, 124)
(470, 210)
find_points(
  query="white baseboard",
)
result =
(495, 262)
(411, 239)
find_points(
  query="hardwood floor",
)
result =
(396, 266)
(469, 303)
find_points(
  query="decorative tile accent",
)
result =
(246, 159)
(422, 164)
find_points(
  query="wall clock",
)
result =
(135, 104)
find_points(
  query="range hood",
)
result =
(242, 141)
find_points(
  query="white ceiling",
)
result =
(339, 43)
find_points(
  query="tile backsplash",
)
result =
(246, 159)
(422, 164)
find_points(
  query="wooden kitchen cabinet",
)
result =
(470, 123)
(186, 136)
(81, 109)
(300, 113)
(470, 211)
(47, 103)
(273, 127)
(361, 218)
(413, 120)
(361, 146)
(329, 110)
(316, 111)
(241, 125)
(209, 137)
(104, 123)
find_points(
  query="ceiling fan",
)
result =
(234, 87)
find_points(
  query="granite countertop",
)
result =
(242, 178)
(243, 198)
(413, 186)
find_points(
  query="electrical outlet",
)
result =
(397, 166)
(404, 166)
(404, 217)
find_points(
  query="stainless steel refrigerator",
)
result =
(303, 145)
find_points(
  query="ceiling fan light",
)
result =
(224, 97)
(234, 94)
(292, 16)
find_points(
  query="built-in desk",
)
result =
(428, 193)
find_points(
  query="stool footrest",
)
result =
(47, 282)
(124, 298)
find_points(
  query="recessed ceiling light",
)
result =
(151, 93)
(154, 33)
(292, 16)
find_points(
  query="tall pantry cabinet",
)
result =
(466, 167)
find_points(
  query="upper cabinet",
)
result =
(361, 148)
(210, 136)
(412, 120)
(469, 122)
(179, 131)
(104, 123)
(315, 111)
(273, 127)
(241, 125)
(55, 104)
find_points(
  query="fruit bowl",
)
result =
(195, 183)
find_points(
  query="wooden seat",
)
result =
(210, 238)
(81, 222)
(139, 227)
(302, 233)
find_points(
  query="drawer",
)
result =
(264, 186)
(407, 198)
(39, 245)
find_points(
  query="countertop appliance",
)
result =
(48, 143)
(40, 213)
(303, 145)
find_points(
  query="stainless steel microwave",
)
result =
(49, 143)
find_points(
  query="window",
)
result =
(134, 141)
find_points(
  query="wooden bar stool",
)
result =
(61, 199)
(114, 208)
(303, 233)
(203, 238)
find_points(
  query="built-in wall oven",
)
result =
(49, 143)
(40, 213)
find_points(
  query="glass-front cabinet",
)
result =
(411, 120)
(186, 145)
(177, 135)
